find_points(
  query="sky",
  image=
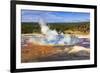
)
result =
(54, 17)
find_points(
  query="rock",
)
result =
(78, 51)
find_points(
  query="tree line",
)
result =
(60, 27)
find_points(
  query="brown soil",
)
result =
(33, 52)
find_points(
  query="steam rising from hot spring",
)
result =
(51, 37)
(44, 27)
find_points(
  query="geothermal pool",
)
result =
(41, 40)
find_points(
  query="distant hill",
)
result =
(57, 23)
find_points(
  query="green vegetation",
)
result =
(30, 28)
(83, 27)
